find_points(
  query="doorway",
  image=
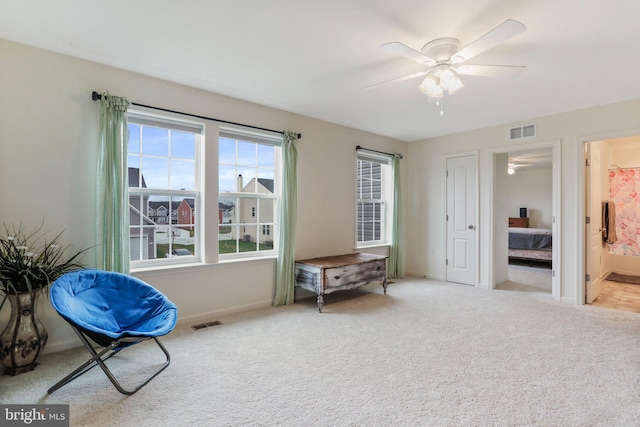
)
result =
(532, 261)
(612, 257)
(530, 208)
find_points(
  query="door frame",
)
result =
(556, 270)
(581, 243)
(595, 214)
(476, 261)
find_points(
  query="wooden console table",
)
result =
(336, 273)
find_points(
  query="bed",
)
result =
(530, 244)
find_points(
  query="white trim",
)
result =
(213, 315)
(237, 133)
(153, 119)
(370, 156)
(182, 322)
(178, 269)
(148, 118)
(258, 138)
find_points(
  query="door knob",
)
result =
(470, 227)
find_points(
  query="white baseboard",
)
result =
(569, 300)
(61, 346)
(425, 276)
(54, 347)
(213, 315)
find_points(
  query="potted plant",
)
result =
(29, 263)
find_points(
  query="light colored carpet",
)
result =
(528, 279)
(428, 353)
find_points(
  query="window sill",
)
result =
(167, 268)
(180, 268)
(247, 259)
(375, 245)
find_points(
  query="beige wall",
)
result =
(624, 152)
(426, 245)
(531, 189)
(48, 151)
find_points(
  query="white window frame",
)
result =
(148, 118)
(276, 142)
(386, 199)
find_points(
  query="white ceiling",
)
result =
(316, 57)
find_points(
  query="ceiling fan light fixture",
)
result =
(449, 80)
(442, 78)
(446, 60)
(431, 86)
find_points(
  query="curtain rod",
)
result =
(95, 96)
(359, 147)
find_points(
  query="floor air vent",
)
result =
(206, 325)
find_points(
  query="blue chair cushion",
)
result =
(112, 304)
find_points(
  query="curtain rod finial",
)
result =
(95, 96)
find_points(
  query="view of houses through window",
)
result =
(247, 197)
(163, 190)
(165, 196)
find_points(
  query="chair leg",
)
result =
(122, 390)
(98, 359)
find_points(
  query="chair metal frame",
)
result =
(110, 350)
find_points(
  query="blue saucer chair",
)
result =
(115, 311)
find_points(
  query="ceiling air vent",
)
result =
(526, 131)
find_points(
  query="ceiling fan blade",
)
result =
(404, 50)
(499, 34)
(398, 79)
(490, 70)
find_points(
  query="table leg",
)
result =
(384, 285)
(320, 302)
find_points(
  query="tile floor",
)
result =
(621, 296)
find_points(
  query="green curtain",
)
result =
(113, 186)
(285, 266)
(396, 262)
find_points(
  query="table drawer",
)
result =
(353, 276)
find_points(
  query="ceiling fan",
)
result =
(446, 60)
(512, 167)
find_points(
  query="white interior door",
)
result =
(593, 228)
(461, 220)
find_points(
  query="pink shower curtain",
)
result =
(624, 190)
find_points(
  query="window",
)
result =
(164, 195)
(247, 199)
(374, 189)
